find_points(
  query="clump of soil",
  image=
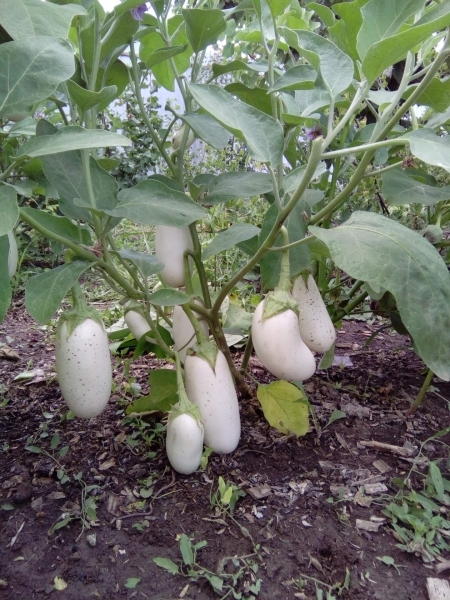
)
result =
(88, 505)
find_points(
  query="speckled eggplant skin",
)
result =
(83, 366)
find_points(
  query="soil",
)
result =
(296, 523)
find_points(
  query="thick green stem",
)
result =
(199, 333)
(356, 286)
(197, 256)
(247, 354)
(137, 92)
(284, 283)
(78, 299)
(421, 395)
(11, 167)
(376, 172)
(349, 308)
(83, 253)
(364, 148)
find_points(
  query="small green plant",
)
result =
(390, 562)
(330, 590)
(239, 584)
(226, 496)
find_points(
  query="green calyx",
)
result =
(77, 316)
(278, 302)
(184, 406)
(206, 350)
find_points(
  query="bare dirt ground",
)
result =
(303, 496)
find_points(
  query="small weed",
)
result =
(330, 590)
(236, 576)
(226, 496)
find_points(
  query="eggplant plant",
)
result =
(325, 101)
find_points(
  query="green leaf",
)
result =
(301, 77)
(162, 54)
(31, 71)
(325, 13)
(386, 254)
(256, 97)
(335, 416)
(60, 225)
(151, 202)
(238, 232)
(55, 441)
(335, 67)
(393, 49)
(9, 209)
(278, 6)
(203, 26)
(299, 257)
(33, 449)
(382, 19)
(152, 42)
(430, 148)
(239, 65)
(401, 188)
(5, 285)
(285, 407)
(327, 359)
(345, 31)
(237, 318)
(208, 129)
(168, 297)
(436, 478)
(45, 292)
(215, 581)
(71, 137)
(262, 134)
(87, 99)
(186, 549)
(31, 18)
(146, 263)
(436, 95)
(166, 564)
(163, 393)
(234, 185)
(132, 582)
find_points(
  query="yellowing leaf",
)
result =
(60, 584)
(285, 407)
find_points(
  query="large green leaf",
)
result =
(285, 407)
(31, 18)
(301, 77)
(168, 297)
(5, 285)
(388, 255)
(335, 67)
(153, 42)
(203, 27)
(234, 185)
(239, 65)
(345, 31)
(72, 137)
(238, 232)
(151, 202)
(87, 99)
(383, 19)
(432, 149)
(163, 392)
(163, 54)
(304, 104)
(299, 257)
(254, 96)
(60, 225)
(45, 292)
(399, 188)
(147, 264)
(436, 95)
(208, 129)
(262, 134)
(31, 70)
(9, 209)
(393, 49)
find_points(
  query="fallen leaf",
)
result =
(60, 584)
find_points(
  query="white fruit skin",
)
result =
(13, 255)
(170, 245)
(183, 332)
(83, 366)
(136, 323)
(279, 346)
(176, 140)
(184, 443)
(316, 327)
(215, 395)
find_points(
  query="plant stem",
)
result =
(349, 308)
(376, 172)
(284, 283)
(365, 148)
(421, 395)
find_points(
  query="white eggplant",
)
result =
(214, 393)
(176, 140)
(279, 346)
(83, 367)
(184, 443)
(170, 245)
(316, 328)
(136, 323)
(183, 332)
(13, 255)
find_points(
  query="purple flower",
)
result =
(139, 11)
(311, 133)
